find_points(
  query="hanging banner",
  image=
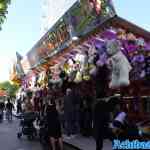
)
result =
(25, 64)
(52, 42)
(86, 15)
(81, 18)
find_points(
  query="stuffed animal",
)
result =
(78, 77)
(140, 42)
(112, 47)
(56, 80)
(82, 58)
(131, 37)
(119, 65)
(121, 34)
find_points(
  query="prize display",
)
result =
(119, 65)
(122, 52)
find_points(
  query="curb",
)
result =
(73, 146)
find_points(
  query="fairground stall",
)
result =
(93, 49)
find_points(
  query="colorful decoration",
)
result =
(113, 46)
(131, 37)
(93, 71)
(78, 77)
(119, 65)
(121, 34)
(140, 42)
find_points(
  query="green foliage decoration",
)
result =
(3, 11)
(10, 88)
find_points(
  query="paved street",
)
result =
(9, 140)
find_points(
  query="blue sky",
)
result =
(21, 30)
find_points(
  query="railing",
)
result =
(137, 108)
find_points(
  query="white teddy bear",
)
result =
(119, 65)
(82, 58)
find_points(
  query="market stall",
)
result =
(111, 55)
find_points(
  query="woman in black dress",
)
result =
(54, 127)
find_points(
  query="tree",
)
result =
(11, 89)
(3, 10)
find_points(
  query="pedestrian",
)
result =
(76, 104)
(101, 122)
(23, 104)
(28, 106)
(19, 107)
(54, 126)
(87, 117)
(9, 109)
(69, 113)
(60, 109)
(36, 101)
(2, 107)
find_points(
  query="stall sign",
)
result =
(86, 15)
(25, 64)
(49, 45)
(59, 36)
(56, 38)
(33, 57)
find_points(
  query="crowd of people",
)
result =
(8, 108)
(73, 114)
(68, 114)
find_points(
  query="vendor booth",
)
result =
(96, 51)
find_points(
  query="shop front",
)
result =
(111, 55)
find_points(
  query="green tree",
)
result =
(10, 88)
(3, 10)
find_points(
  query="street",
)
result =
(9, 140)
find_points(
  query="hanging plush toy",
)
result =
(56, 80)
(83, 59)
(140, 42)
(131, 37)
(121, 34)
(113, 47)
(78, 77)
(119, 65)
(131, 45)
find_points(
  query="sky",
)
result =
(21, 30)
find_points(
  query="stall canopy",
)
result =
(80, 19)
(93, 22)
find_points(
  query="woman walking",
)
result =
(54, 127)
